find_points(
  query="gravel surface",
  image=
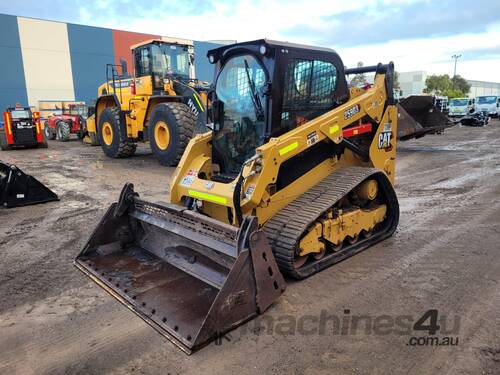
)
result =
(354, 318)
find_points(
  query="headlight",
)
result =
(211, 59)
(262, 50)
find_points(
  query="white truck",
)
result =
(488, 104)
(460, 106)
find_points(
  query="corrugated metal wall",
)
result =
(204, 70)
(46, 60)
(12, 83)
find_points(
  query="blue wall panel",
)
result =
(12, 82)
(91, 49)
(204, 70)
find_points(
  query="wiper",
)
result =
(259, 112)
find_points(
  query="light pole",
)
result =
(455, 57)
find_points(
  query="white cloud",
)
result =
(332, 21)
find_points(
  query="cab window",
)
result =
(142, 62)
(308, 91)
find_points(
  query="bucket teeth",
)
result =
(20, 189)
(190, 277)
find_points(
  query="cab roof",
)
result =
(172, 41)
(272, 44)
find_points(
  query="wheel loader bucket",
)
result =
(20, 189)
(419, 116)
(190, 277)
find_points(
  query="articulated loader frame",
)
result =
(210, 278)
(20, 189)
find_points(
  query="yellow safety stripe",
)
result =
(207, 197)
(197, 101)
(334, 129)
(287, 149)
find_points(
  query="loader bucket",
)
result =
(419, 116)
(190, 277)
(20, 189)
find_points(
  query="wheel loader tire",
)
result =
(110, 136)
(63, 130)
(48, 131)
(4, 146)
(171, 126)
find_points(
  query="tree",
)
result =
(453, 94)
(444, 85)
(360, 78)
(397, 86)
(435, 84)
(459, 83)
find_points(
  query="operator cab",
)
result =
(265, 88)
(161, 60)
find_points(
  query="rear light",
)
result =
(8, 127)
(36, 120)
(132, 87)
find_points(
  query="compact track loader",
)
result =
(162, 104)
(22, 128)
(20, 189)
(296, 174)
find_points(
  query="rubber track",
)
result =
(286, 228)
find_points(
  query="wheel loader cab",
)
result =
(160, 60)
(263, 89)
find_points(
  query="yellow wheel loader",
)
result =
(162, 104)
(295, 175)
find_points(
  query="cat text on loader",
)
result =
(162, 104)
(295, 176)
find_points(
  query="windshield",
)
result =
(458, 102)
(20, 114)
(239, 87)
(171, 59)
(486, 99)
(75, 111)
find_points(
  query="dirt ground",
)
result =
(444, 256)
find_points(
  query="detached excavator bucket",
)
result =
(20, 189)
(192, 278)
(419, 116)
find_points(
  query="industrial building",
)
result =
(56, 61)
(413, 83)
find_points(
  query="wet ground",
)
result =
(355, 318)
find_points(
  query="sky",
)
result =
(415, 34)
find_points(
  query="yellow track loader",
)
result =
(162, 104)
(295, 175)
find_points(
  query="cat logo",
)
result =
(384, 139)
(193, 107)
